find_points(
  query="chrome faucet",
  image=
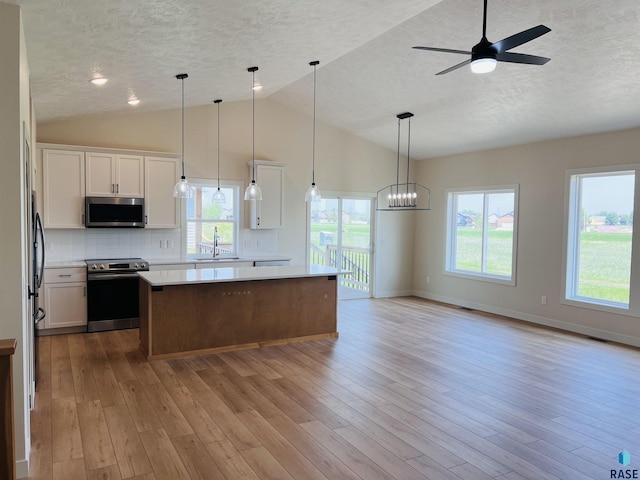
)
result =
(215, 242)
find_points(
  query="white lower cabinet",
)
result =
(65, 297)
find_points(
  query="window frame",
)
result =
(571, 251)
(238, 214)
(451, 214)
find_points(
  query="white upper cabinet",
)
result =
(114, 175)
(268, 213)
(63, 188)
(162, 208)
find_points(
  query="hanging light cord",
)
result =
(408, 152)
(218, 145)
(253, 126)
(183, 127)
(398, 161)
(313, 154)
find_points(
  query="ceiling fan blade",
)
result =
(520, 38)
(446, 50)
(455, 67)
(521, 58)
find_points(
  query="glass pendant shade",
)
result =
(253, 192)
(313, 194)
(218, 197)
(183, 189)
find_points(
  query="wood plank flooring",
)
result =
(410, 390)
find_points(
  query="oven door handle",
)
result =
(111, 276)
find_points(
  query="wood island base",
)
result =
(202, 318)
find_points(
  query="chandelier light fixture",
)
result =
(403, 196)
(182, 188)
(218, 197)
(253, 191)
(313, 194)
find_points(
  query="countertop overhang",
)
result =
(162, 278)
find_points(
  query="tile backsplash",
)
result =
(82, 244)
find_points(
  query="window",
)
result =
(600, 237)
(481, 233)
(203, 216)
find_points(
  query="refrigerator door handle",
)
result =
(39, 315)
(40, 233)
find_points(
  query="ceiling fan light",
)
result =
(483, 65)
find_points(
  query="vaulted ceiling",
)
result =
(368, 71)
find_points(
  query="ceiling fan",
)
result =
(485, 54)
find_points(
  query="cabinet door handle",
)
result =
(83, 219)
(66, 275)
(113, 188)
(258, 220)
(117, 188)
(84, 290)
(146, 219)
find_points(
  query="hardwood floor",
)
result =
(411, 390)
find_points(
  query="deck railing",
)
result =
(354, 260)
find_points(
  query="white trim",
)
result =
(450, 232)
(22, 468)
(536, 319)
(394, 293)
(570, 247)
(238, 187)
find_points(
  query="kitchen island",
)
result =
(199, 311)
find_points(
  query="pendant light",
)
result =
(182, 188)
(403, 196)
(218, 197)
(253, 191)
(313, 194)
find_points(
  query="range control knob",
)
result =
(93, 267)
(102, 267)
(135, 266)
(143, 265)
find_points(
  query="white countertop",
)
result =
(68, 264)
(235, 274)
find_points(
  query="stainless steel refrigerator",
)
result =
(36, 263)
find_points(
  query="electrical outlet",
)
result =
(247, 243)
(161, 243)
(259, 243)
(543, 300)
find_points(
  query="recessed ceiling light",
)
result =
(99, 81)
(133, 101)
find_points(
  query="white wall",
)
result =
(344, 163)
(540, 169)
(14, 109)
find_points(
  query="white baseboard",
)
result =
(22, 468)
(549, 322)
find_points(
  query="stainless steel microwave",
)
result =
(114, 212)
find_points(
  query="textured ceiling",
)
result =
(368, 71)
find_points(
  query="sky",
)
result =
(608, 194)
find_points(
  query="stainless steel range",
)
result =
(112, 293)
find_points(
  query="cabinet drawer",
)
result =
(63, 275)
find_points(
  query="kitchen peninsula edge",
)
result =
(200, 311)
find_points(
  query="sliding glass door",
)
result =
(340, 236)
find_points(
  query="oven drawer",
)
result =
(64, 275)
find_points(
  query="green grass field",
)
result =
(605, 260)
